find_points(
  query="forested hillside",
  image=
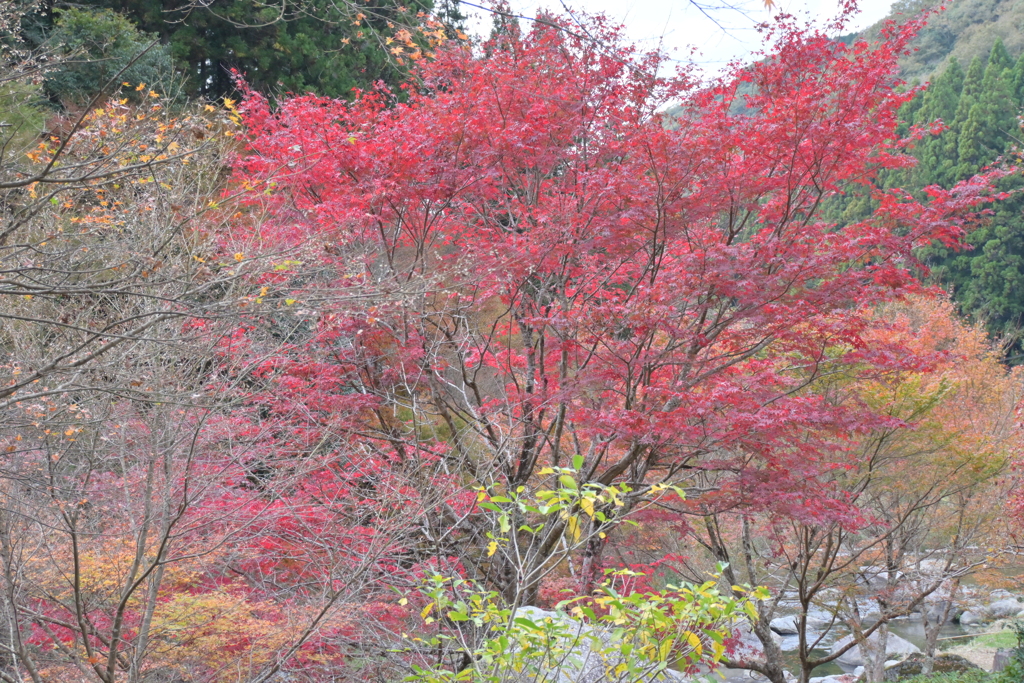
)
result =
(965, 29)
(978, 104)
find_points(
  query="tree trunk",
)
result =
(873, 652)
(931, 630)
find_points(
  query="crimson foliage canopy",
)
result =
(521, 264)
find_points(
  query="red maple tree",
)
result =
(520, 263)
(518, 259)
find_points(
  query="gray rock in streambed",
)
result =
(840, 678)
(583, 664)
(1007, 607)
(971, 618)
(852, 658)
(787, 626)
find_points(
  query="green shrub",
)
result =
(94, 45)
(22, 115)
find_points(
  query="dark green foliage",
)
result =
(96, 46)
(316, 46)
(979, 109)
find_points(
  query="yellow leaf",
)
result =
(694, 642)
(588, 506)
(239, 256)
(573, 526)
(492, 548)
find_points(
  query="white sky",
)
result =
(682, 26)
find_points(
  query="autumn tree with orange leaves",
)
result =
(924, 490)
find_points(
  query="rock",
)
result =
(894, 645)
(785, 626)
(582, 664)
(1001, 660)
(817, 620)
(1007, 607)
(944, 663)
(841, 678)
(859, 671)
(876, 578)
(790, 643)
(934, 608)
(969, 618)
(748, 645)
(820, 622)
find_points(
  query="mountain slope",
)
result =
(965, 29)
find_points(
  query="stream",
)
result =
(910, 629)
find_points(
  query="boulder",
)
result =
(852, 658)
(747, 645)
(944, 663)
(971, 618)
(583, 664)
(935, 607)
(790, 643)
(785, 626)
(820, 620)
(876, 578)
(1007, 607)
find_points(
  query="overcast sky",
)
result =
(682, 26)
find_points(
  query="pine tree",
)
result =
(940, 102)
(988, 279)
(947, 172)
(318, 46)
(999, 57)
